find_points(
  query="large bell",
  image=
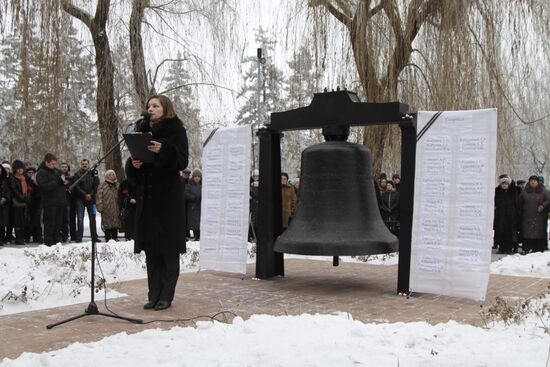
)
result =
(337, 214)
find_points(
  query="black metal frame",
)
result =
(328, 110)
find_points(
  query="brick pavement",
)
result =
(365, 291)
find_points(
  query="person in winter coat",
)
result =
(53, 185)
(5, 203)
(8, 230)
(21, 198)
(504, 223)
(389, 207)
(68, 224)
(85, 192)
(288, 196)
(107, 205)
(185, 178)
(193, 198)
(34, 209)
(127, 203)
(534, 202)
(254, 202)
(160, 209)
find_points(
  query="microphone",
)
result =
(140, 123)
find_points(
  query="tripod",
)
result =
(92, 307)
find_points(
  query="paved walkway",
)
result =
(368, 292)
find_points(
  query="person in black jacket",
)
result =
(5, 203)
(505, 218)
(389, 208)
(193, 199)
(127, 202)
(21, 198)
(34, 227)
(85, 192)
(53, 185)
(160, 209)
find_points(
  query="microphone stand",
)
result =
(92, 307)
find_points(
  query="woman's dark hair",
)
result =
(166, 104)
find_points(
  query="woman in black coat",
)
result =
(534, 203)
(21, 198)
(160, 208)
(504, 222)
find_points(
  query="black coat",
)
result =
(193, 198)
(54, 192)
(506, 209)
(533, 223)
(88, 185)
(160, 212)
(389, 206)
(5, 198)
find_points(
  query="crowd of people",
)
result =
(36, 205)
(521, 215)
(521, 210)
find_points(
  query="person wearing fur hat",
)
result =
(5, 204)
(160, 207)
(504, 223)
(21, 197)
(534, 203)
(107, 205)
(193, 198)
(53, 185)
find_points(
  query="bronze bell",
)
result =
(337, 214)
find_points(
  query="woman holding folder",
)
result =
(160, 209)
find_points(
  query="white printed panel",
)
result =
(453, 205)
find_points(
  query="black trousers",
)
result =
(163, 271)
(52, 218)
(111, 234)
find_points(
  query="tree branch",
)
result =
(154, 78)
(345, 19)
(495, 76)
(77, 13)
(199, 83)
(102, 13)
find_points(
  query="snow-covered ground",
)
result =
(37, 277)
(309, 340)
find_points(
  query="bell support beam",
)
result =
(268, 262)
(338, 108)
(406, 203)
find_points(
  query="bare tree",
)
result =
(106, 112)
(143, 90)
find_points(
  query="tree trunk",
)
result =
(380, 88)
(105, 101)
(136, 51)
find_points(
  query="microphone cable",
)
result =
(213, 317)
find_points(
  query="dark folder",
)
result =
(137, 144)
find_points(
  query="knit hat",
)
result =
(255, 172)
(521, 182)
(196, 172)
(506, 179)
(6, 166)
(17, 164)
(187, 170)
